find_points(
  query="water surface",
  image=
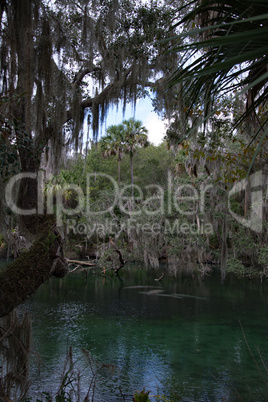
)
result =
(182, 337)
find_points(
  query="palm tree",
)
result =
(135, 135)
(113, 144)
(227, 52)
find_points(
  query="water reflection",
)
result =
(189, 345)
(15, 342)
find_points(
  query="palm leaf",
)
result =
(233, 45)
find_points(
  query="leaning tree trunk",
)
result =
(45, 258)
(32, 268)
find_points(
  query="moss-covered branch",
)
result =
(32, 268)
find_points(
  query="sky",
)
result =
(144, 112)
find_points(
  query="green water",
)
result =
(184, 341)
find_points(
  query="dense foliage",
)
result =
(74, 59)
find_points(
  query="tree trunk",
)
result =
(224, 250)
(15, 351)
(119, 171)
(28, 195)
(247, 199)
(24, 275)
(131, 173)
(45, 257)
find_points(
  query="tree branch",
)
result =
(82, 73)
(25, 274)
(121, 259)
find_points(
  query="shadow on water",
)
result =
(178, 338)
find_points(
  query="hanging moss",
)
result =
(44, 55)
(42, 49)
(47, 54)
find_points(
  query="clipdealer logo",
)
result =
(256, 182)
(180, 200)
(177, 200)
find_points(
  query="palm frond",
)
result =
(229, 50)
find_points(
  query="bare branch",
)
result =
(121, 259)
(82, 73)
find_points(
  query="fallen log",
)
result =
(85, 263)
